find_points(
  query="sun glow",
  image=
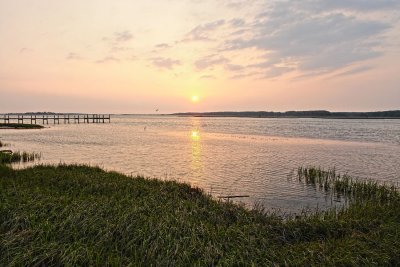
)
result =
(195, 135)
(195, 98)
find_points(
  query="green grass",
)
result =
(20, 126)
(17, 157)
(79, 215)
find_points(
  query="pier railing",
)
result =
(54, 118)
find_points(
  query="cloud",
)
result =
(162, 46)
(117, 49)
(118, 38)
(246, 75)
(237, 22)
(210, 61)
(354, 5)
(207, 77)
(276, 71)
(353, 71)
(201, 32)
(165, 63)
(239, 4)
(312, 36)
(73, 56)
(117, 43)
(234, 67)
(107, 59)
(123, 36)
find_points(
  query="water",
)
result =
(226, 156)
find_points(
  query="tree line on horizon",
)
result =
(299, 114)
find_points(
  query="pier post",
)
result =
(20, 119)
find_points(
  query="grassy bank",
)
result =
(79, 215)
(20, 126)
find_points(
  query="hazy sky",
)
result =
(126, 56)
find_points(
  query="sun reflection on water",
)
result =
(197, 170)
(195, 135)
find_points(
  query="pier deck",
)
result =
(55, 118)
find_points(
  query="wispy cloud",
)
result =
(23, 50)
(118, 39)
(108, 59)
(202, 32)
(122, 36)
(353, 71)
(210, 61)
(239, 4)
(118, 49)
(354, 5)
(73, 56)
(207, 77)
(246, 75)
(117, 46)
(234, 67)
(162, 46)
(165, 63)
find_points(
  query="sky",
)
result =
(124, 56)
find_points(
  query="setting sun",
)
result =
(195, 98)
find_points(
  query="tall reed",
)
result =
(18, 157)
(344, 185)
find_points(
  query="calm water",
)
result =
(226, 156)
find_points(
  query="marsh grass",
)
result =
(21, 126)
(344, 186)
(18, 157)
(83, 216)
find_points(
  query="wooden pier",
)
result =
(54, 118)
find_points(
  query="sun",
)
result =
(195, 98)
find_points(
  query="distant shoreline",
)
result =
(318, 114)
(288, 117)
